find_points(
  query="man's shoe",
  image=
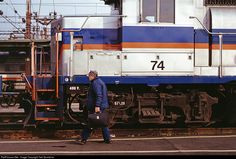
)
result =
(81, 142)
(107, 141)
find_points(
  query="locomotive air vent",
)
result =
(220, 2)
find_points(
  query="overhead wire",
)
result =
(40, 4)
(12, 22)
(65, 4)
(9, 20)
(13, 7)
(54, 6)
(16, 12)
(16, 24)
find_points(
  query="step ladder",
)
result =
(148, 109)
(44, 88)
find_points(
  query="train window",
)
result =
(149, 8)
(78, 43)
(167, 11)
(12, 62)
(159, 11)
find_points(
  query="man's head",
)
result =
(92, 75)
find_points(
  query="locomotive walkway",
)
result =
(188, 145)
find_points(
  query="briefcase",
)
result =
(98, 120)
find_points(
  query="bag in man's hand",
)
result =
(98, 120)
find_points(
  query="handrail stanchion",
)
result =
(57, 69)
(33, 69)
(220, 43)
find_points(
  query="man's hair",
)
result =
(93, 72)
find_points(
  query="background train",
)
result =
(164, 62)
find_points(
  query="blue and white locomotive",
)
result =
(164, 62)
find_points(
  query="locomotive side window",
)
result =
(157, 11)
(167, 11)
(12, 62)
(149, 10)
(78, 43)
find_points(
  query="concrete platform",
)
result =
(191, 145)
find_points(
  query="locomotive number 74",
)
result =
(157, 64)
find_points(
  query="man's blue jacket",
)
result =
(97, 95)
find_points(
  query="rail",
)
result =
(220, 34)
(33, 72)
(14, 132)
(87, 17)
(24, 76)
(57, 67)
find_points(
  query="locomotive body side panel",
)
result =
(222, 22)
(178, 42)
(157, 63)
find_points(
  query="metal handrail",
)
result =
(212, 33)
(24, 76)
(96, 15)
(220, 34)
(57, 67)
(87, 17)
(33, 71)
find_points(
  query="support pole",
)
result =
(33, 69)
(221, 55)
(28, 20)
(71, 54)
(57, 69)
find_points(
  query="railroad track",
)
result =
(10, 119)
(12, 127)
(41, 133)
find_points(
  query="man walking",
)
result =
(97, 102)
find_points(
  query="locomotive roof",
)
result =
(21, 42)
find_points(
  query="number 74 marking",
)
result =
(158, 64)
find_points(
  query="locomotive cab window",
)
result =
(78, 43)
(12, 62)
(157, 11)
